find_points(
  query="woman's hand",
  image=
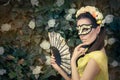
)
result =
(78, 51)
(58, 68)
(54, 64)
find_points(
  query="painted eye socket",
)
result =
(84, 29)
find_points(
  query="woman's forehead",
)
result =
(83, 21)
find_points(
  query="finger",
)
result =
(85, 50)
(51, 52)
(81, 51)
(52, 61)
(52, 56)
(80, 45)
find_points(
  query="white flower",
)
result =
(68, 17)
(2, 71)
(60, 2)
(51, 23)
(114, 63)
(5, 27)
(71, 11)
(73, 5)
(47, 50)
(34, 2)
(48, 60)
(103, 22)
(105, 41)
(100, 16)
(111, 41)
(109, 19)
(37, 76)
(1, 50)
(93, 11)
(45, 45)
(37, 70)
(32, 24)
(81, 10)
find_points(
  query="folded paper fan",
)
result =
(60, 50)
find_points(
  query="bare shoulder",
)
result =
(91, 70)
(92, 64)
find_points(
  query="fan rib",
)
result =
(57, 41)
(62, 51)
(62, 47)
(51, 36)
(54, 39)
(68, 70)
(60, 43)
(65, 58)
(68, 63)
(64, 54)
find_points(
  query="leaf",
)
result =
(71, 42)
(12, 75)
(19, 53)
(48, 72)
(78, 41)
(62, 34)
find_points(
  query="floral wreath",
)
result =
(93, 11)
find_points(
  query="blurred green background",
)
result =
(24, 42)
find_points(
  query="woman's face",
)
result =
(87, 34)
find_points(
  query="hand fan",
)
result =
(60, 50)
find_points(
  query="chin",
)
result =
(86, 43)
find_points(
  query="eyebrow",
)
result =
(84, 24)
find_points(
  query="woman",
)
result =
(90, 55)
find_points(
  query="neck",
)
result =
(103, 50)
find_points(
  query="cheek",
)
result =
(89, 38)
(92, 37)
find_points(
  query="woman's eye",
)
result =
(85, 29)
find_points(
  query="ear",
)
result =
(98, 29)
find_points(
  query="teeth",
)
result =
(57, 41)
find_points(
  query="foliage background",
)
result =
(21, 43)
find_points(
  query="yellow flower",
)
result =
(93, 11)
(99, 21)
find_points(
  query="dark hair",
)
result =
(89, 16)
(98, 44)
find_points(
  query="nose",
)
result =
(81, 36)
